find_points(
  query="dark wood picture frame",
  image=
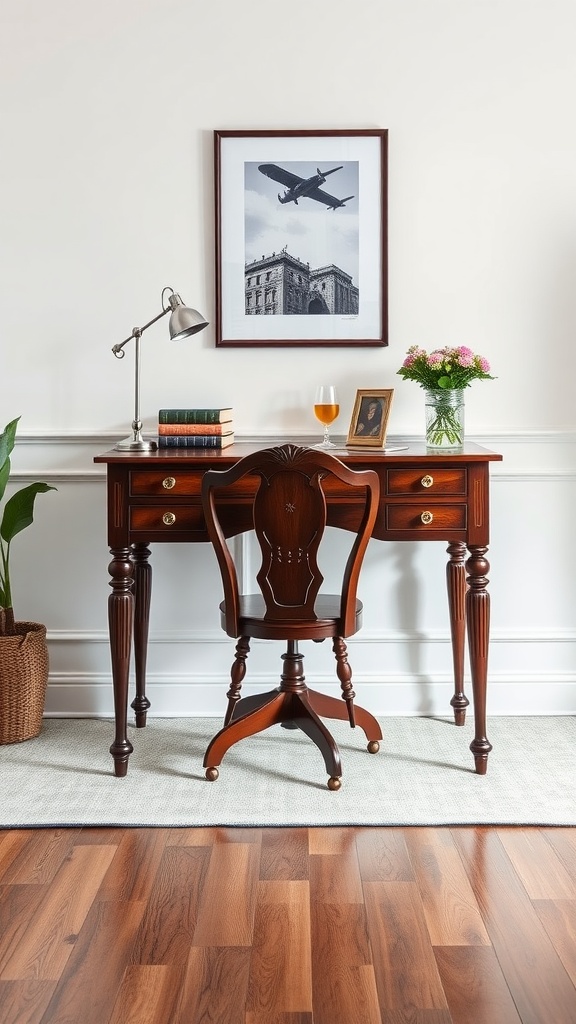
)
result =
(279, 256)
(369, 421)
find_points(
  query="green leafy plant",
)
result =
(17, 515)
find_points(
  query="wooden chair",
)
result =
(286, 507)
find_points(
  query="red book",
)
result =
(195, 428)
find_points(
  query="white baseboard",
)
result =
(90, 696)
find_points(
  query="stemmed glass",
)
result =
(326, 409)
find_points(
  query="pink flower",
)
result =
(436, 358)
(465, 356)
(483, 364)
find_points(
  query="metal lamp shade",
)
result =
(184, 322)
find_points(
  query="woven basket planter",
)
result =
(23, 681)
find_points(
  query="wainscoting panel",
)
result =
(401, 659)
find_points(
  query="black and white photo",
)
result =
(301, 238)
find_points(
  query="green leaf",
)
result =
(4, 475)
(7, 441)
(444, 382)
(19, 510)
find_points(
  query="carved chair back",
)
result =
(286, 488)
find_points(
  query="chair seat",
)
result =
(252, 621)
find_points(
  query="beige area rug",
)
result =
(423, 775)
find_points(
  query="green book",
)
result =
(194, 415)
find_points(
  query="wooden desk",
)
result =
(154, 497)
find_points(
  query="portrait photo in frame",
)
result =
(370, 418)
(301, 237)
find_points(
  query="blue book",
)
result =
(195, 440)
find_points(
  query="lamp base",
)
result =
(135, 444)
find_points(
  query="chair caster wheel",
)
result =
(373, 747)
(334, 783)
(212, 774)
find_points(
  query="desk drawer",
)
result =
(426, 481)
(166, 518)
(156, 483)
(426, 519)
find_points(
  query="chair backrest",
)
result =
(286, 488)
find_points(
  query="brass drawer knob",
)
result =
(427, 481)
(168, 519)
(168, 482)
(427, 518)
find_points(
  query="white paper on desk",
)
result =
(363, 448)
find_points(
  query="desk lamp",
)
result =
(183, 323)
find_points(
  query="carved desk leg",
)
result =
(478, 622)
(120, 620)
(142, 595)
(456, 584)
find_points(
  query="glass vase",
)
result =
(445, 420)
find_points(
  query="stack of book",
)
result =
(195, 428)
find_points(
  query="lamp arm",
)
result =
(137, 332)
(136, 442)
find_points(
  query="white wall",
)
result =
(107, 116)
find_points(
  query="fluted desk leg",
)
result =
(120, 622)
(456, 586)
(478, 624)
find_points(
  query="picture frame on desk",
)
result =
(301, 238)
(370, 416)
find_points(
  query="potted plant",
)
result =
(23, 648)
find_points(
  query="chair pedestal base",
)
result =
(292, 704)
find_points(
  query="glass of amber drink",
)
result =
(326, 409)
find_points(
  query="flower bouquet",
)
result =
(444, 373)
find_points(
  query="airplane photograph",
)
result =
(304, 188)
(312, 234)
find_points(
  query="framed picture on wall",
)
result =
(370, 418)
(301, 238)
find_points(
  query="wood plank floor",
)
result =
(288, 926)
